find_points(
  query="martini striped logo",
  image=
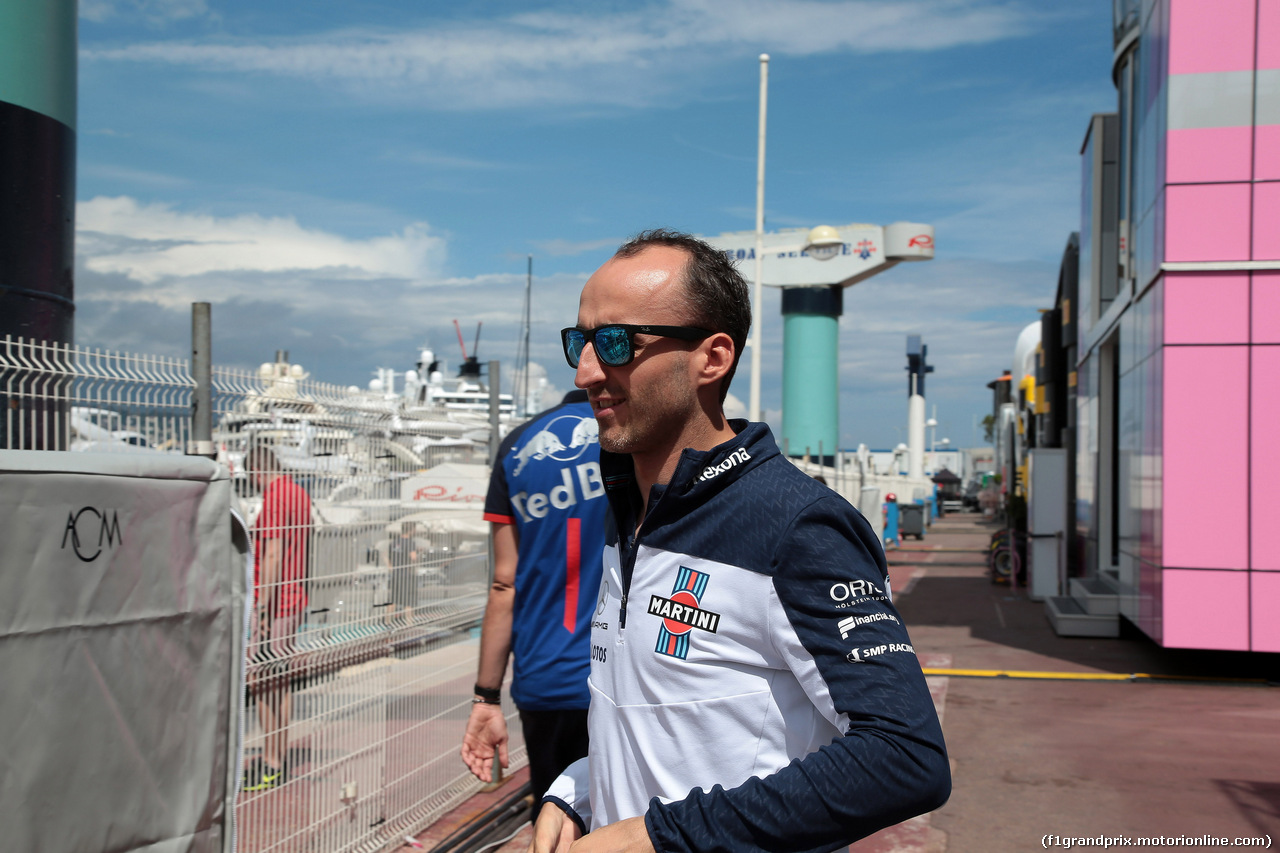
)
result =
(682, 613)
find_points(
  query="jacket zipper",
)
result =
(628, 567)
(629, 562)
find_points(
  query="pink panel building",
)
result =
(1176, 418)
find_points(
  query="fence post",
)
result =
(495, 388)
(201, 443)
(494, 402)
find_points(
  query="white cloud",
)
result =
(155, 12)
(150, 242)
(343, 306)
(734, 407)
(550, 57)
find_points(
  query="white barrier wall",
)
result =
(121, 641)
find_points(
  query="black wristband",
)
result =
(491, 695)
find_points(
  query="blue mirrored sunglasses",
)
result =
(614, 344)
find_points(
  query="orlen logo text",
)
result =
(90, 530)
(563, 496)
(848, 593)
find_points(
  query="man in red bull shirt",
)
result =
(546, 507)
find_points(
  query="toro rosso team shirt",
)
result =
(752, 685)
(547, 483)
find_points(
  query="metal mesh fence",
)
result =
(371, 569)
(59, 397)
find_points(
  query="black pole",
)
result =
(495, 403)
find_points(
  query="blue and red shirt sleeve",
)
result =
(497, 502)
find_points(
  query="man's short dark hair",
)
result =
(261, 458)
(717, 294)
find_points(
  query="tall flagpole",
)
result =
(757, 311)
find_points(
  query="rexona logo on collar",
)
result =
(737, 457)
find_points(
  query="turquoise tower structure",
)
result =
(810, 379)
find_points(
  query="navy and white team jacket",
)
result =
(752, 685)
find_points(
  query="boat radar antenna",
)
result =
(470, 368)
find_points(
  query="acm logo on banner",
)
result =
(90, 530)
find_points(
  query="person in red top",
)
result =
(280, 537)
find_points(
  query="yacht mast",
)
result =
(521, 389)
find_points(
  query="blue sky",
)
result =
(342, 180)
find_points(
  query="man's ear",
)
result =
(716, 359)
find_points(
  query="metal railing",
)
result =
(371, 564)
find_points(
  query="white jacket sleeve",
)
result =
(571, 791)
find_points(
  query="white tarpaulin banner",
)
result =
(121, 642)
(448, 486)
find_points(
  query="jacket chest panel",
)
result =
(695, 630)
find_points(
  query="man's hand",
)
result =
(625, 836)
(486, 731)
(554, 832)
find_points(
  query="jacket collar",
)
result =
(699, 475)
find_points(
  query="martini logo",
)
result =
(682, 613)
(90, 530)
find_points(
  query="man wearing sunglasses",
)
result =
(752, 685)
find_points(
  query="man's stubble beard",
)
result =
(668, 411)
